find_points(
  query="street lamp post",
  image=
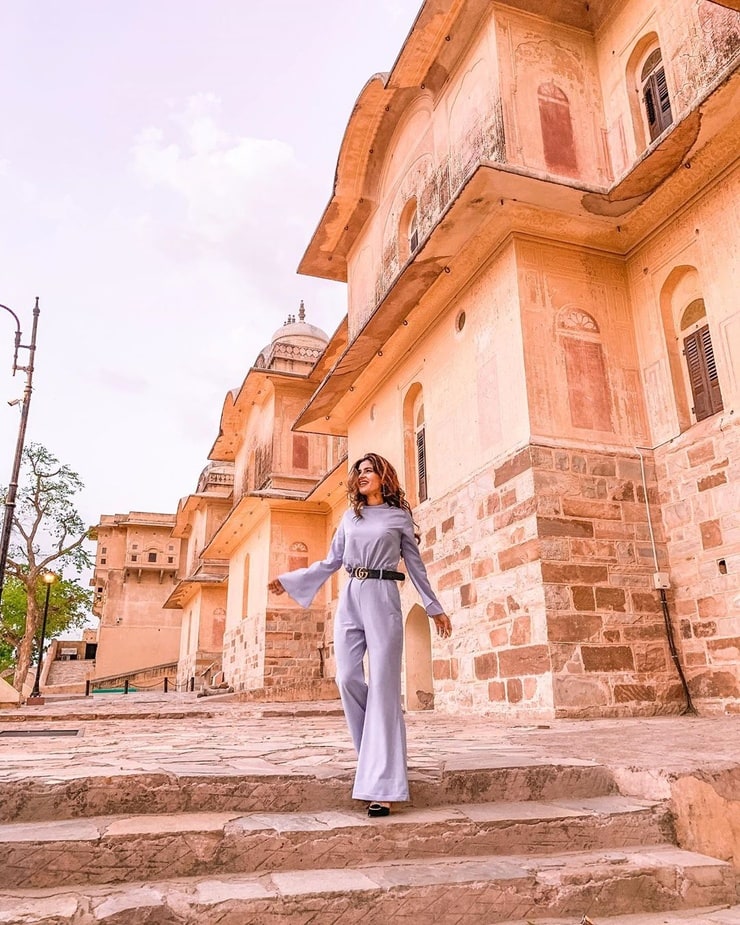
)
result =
(26, 401)
(49, 578)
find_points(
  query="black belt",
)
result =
(362, 573)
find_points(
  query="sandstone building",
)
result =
(536, 213)
(136, 563)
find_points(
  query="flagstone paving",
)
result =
(173, 809)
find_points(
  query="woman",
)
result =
(372, 536)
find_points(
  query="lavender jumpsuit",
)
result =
(369, 619)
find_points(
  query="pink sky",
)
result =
(163, 164)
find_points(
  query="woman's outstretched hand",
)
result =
(443, 624)
(275, 587)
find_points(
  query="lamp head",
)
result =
(49, 578)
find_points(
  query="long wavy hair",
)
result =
(393, 494)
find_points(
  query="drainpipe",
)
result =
(661, 583)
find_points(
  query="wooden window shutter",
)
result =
(664, 101)
(421, 463)
(715, 395)
(702, 373)
(656, 96)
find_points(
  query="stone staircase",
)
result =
(68, 677)
(541, 843)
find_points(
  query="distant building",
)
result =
(136, 564)
(200, 592)
(274, 522)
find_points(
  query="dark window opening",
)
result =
(655, 95)
(151, 557)
(703, 377)
(421, 463)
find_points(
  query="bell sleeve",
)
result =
(303, 583)
(417, 570)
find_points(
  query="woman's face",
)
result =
(368, 480)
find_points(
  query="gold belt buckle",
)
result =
(361, 573)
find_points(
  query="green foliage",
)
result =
(47, 527)
(48, 534)
(69, 607)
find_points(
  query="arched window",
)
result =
(557, 130)
(655, 94)
(421, 453)
(415, 451)
(700, 364)
(408, 231)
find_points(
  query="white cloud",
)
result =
(226, 185)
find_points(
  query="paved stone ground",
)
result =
(181, 734)
(169, 754)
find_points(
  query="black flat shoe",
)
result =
(377, 809)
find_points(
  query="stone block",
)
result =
(451, 579)
(626, 693)
(513, 467)
(610, 599)
(497, 691)
(711, 534)
(583, 507)
(518, 555)
(514, 691)
(651, 658)
(571, 692)
(646, 602)
(496, 611)
(557, 597)
(482, 567)
(583, 597)
(701, 453)
(486, 666)
(711, 607)
(448, 524)
(703, 629)
(720, 684)
(607, 658)
(573, 627)
(725, 649)
(468, 595)
(523, 660)
(521, 631)
(557, 526)
(573, 573)
(711, 481)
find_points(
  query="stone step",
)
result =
(31, 799)
(463, 891)
(714, 915)
(119, 849)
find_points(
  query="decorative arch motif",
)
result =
(297, 556)
(414, 444)
(577, 320)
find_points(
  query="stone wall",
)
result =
(699, 474)
(605, 626)
(293, 638)
(545, 564)
(481, 548)
(287, 651)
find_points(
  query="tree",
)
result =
(48, 532)
(69, 606)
